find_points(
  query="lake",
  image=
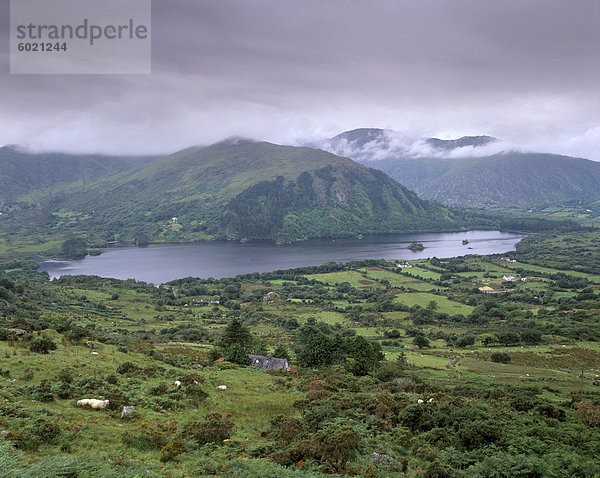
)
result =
(164, 262)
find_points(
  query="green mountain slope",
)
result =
(33, 177)
(470, 171)
(510, 179)
(241, 189)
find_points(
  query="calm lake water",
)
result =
(162, 263)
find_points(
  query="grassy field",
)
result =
(149, 337)
(423, 299)
(421, 273)
(401, 280)
(354, 278)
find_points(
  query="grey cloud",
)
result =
(286, 70)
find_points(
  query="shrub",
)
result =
(90, 385)
(281, 351)
(160, 389)
(336, 443)
(63, 390)
(4, 333)
(172, 449)
(35, 433)
(389, 371)
(42, 346)
(42, 392)
(155, 435)
(77, 333)
(213, 429)
(195, 391)
(465, 340)
(214, 354)
(190, 378)
(500, 357)
(65, 375)
(127, 367)
(237, 354)
(421, 341)
(588, 413)
(479, 433)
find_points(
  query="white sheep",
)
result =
(419, 401)
(93, 402)
(222, 387)
(177, 383)
(430, 400)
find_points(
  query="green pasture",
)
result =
(423, 299)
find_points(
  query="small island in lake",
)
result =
(416, 246)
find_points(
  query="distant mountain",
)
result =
(509, 179)
(462, 172)
(245, 190)
(451, 144)
(32, 177)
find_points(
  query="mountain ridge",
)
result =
(239, 189)
(462, 172)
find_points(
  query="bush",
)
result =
(500, 357)
(389, 371)
(191, 378)
(421, 341)
(65, 375)
(90, 385)
(336, 443)
(34, 433)
(127, 367)
(238, 354)
(465, 341)
(63, 390)
(74, 248)
(160, 389)
(172, 449)
(281, 351)
(195, 391)
(42, 346)
(213, 429)
(77, 333)
(588, 413)
(42, 392)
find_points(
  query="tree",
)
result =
(316, 348)
(508, 338)
(236, 342)
(336, 444)
(142, 237)
(74, 248)
(237, 353)
(366, 355)
(236, 333)
(433, 305)
(402, 359)
(421, 341)
(281, 351)
(488, 339)
(531, 337)
(465, 340)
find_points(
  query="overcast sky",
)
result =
(287, 71)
